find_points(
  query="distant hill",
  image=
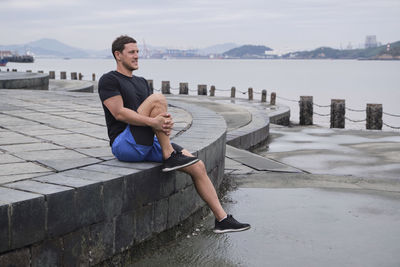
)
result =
(217, 49)
(331, 53)
(47, 48)
(247, 51)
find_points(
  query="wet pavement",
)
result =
(313, 201)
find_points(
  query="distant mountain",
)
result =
(248, 51)
(379, 52)
(217, 49)
(47, 48)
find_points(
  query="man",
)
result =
(139, 127)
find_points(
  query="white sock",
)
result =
(223, 218)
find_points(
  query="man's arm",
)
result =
(116, 107)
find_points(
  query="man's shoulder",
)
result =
(108, 76)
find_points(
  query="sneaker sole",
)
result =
(180, 166)
(217, 231)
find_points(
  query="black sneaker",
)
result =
(177, 161)
(229, 224)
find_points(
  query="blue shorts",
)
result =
(125, 148)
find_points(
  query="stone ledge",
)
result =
(257, 131)
(80, 207)
(18, 80)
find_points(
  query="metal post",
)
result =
(306, 110)
(338, 111)
(374, 117)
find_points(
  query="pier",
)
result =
(65, 200)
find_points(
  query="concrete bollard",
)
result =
(306, 110)
(264, 95)
(165, 88)
(151, 86)
(183, 88)
(80, 76)
(233, 92)
(29, 71)
(74, 76)
(52, 74)
(273, 99)
(250, 92)
(93, 77)
(40, 71)
(202, 89)
(338, 111)
(212, 90)
(374, 117)
(63, 75)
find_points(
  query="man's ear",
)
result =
(117, 55)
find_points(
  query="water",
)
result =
(358, 82)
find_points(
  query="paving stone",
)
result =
(76, 141)
(61, 210)
(98, 152)
(20, 257)
(146, 187)
(133, 165)
(110, 169)
(18, 177)
(89, 197)
(8, 138)
(143, 223)
(29, 147)
(76, 248)
(101, 242)
(4, 229)
(7, 158)
(160, 215)
(54, 154)
(124, 231)
(66, 164)
(91, 175)
(257, 162)
(27, 217)
(21, 168)
(48, 253)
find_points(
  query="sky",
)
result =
(283, 25)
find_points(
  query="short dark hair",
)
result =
(119, 43)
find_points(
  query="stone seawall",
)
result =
(100, 209)
(18, 80)
(87, 215)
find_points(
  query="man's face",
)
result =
(129, 57)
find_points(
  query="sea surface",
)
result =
(357, 81)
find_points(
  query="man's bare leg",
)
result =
(154, 105)
(157, 104)
(204, 186)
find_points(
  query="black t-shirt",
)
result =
(133, 90)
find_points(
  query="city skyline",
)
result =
(284, 25)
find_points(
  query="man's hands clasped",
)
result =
(163, 122)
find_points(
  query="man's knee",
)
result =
(159, 100)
